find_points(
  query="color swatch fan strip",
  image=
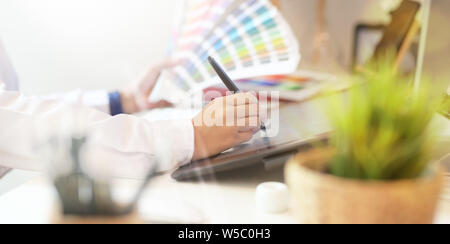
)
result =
(252, 39)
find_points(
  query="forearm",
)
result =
(99, 100)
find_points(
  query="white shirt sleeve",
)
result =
(8, 77)
(128, 142)
(94, 99)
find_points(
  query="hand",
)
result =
(225, 123)
(136, 100)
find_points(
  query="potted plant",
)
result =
(376, 166)
(445, 107)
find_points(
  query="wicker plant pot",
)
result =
(319, 198)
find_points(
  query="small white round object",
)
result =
(272, 197)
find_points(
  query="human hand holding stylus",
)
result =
(227, 81)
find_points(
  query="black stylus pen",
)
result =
(227, 81)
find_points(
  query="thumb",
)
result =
(149, 80)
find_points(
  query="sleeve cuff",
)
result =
(94, 99)
(115, 103)
(179, 135)
(186, 130)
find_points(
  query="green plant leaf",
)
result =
(382, 126)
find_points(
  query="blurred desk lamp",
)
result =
(409, 21)
(321, 37)
(84, 196)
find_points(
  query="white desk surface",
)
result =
(229, 201)
(222, 201)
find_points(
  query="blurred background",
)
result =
(61, 45)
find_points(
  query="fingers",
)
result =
(149, 80)
(141, 93)
(241, 105)
(238, 99)
(244, 137)
(224, 125)
(159, 104)
(245, 115)
(231, 114)
(245, 111)
(242, 116)
(250, 124)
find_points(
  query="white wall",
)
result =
(437, 58)
(59, 45)
(341, 19)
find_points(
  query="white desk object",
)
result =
(272, 197)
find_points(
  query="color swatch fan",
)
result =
(196, 19)
(248, 37)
